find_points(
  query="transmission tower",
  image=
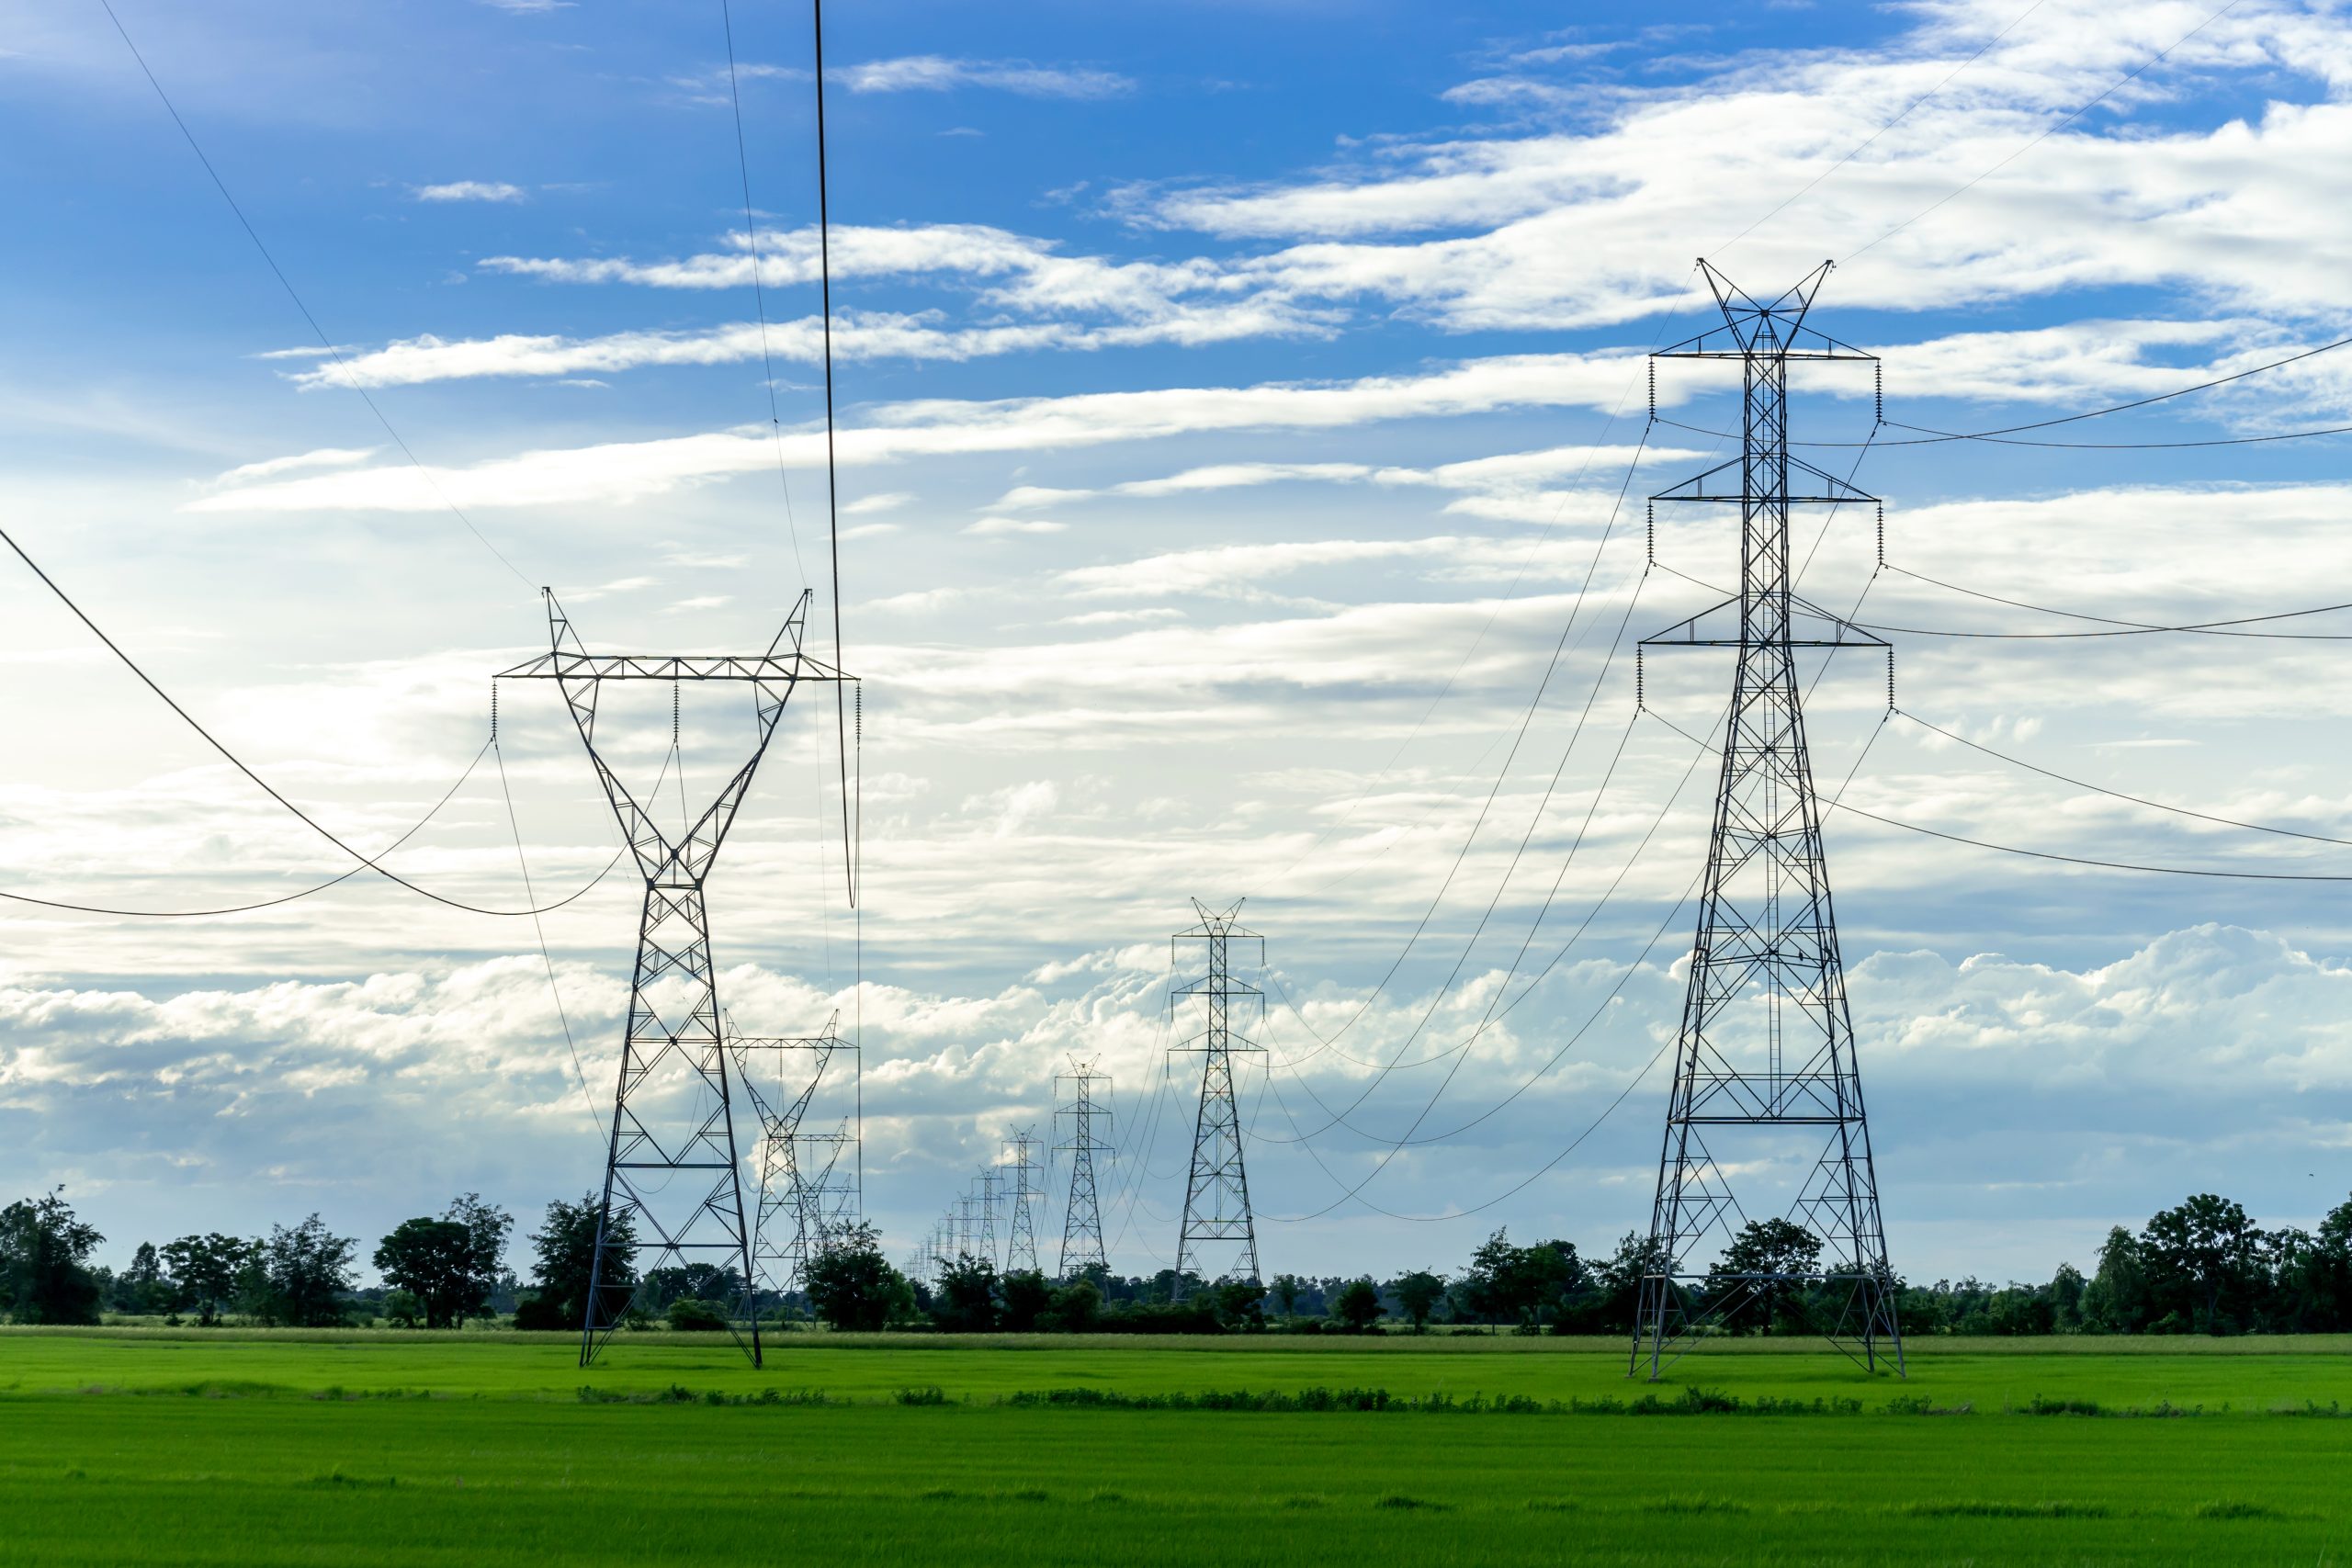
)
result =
(963, 1227)
(673, 1175)
(1766, 1041)
(1217, 1191)
(1021, 1228)
(991, 1193)
(805, 1193)
(1080, 1118)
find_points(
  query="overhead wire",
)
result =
(365, 861)
(2117, 794)
(2109, 91)
(325, 342)
(265, 903)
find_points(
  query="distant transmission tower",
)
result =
(1766, 1039)
(1021, 1227)
(805, 1192)
(672, 1169)
(991, 1195)
(1217, 1191)
(1084, 1126)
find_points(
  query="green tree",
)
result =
(1287, 1289)
(2205, 1261)
(1240, 1304)
(1418, 1293)
(44, 1258)
(207, 1272)
(1358, 1305)
(401, 1309)
(852, 1286)
(435, 1261)
(563, 1251)
(488, 1229)
(2117, 1300)
(141, 1289)
(1077, 1308)
(2067, 1290)
(1763, 1268)
(304, 1272)
(1027, 1296)
(966, 1300)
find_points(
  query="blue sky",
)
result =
(1235, 400)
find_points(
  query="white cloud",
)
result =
(323, 458)
(988, 527)
(468, 190)
(937, 73)
(626, 471)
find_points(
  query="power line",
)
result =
(283, 282)
(2099, 865)
(759, 294)
(367, 861)
(2110, 90)
(2130, 628)
(1865, 144)
(832, 483)
(2117, 794)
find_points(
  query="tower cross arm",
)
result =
(767, 667)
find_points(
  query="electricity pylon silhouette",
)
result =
(673, 1174)
(991, 1194)
(1767, 1040)
(1216, 1188)
(1082, 1220)
(1021, 1229)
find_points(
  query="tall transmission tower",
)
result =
(1217, 1189)
(1767, 1041)
(965, 1228)
(673, 1174)
(1021, 1226)
(1083, 1124)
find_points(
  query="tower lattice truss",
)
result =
(1218, 1238)
(673, 1172)
(808, 1185)
(1765, 1057)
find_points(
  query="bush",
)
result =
(688, 1315)
(544, 1315)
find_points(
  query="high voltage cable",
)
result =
(833, 485)
(1862, 146)
(1356, 1192)
(2117, 794)
(2111, 88)
(1526, 559)
(1551, 667)
(266, 903)
(515, 823)
(283, 282)
(759, 293)
(2130, 628)
(2094, 863)
(1396, 1145)
(365, 862)
(1937, 437)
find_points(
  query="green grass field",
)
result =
(188, 1446)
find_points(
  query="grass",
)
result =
(482, 1449)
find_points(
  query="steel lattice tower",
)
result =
(1082, 1220)
(991, 1194)
(1766, 1041)
(1217, 1189)
(671, 1168)
(1021, 1229)
(799, 1183)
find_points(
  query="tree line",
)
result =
(2201, 1267)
